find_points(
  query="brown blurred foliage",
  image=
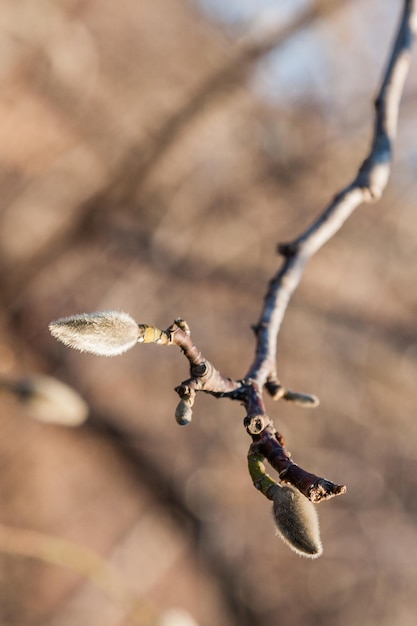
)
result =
(91, 219)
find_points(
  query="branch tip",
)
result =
(182, 324)
(325, 490)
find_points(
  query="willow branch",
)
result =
(229, 75)
(367, 186)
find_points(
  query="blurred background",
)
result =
(152, 155)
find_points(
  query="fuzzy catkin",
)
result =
(47, 399)
(106, 333)
(297, 522)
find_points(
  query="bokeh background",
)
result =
(152, 155)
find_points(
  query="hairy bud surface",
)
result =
(297, 522)
(106, 333)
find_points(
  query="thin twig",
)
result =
(367, 186)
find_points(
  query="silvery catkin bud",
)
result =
(106, 333)
(47, 399)
(297, 522)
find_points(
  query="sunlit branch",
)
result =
(367, 186)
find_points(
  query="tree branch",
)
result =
(91, 331)
(367, 186)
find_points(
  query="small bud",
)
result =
(307, 400)
(47, 399)
(106, 333)
(297, 522)
(183, 413)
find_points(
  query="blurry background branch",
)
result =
(139, 160)
(57, 551)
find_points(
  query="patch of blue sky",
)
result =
(297, 70)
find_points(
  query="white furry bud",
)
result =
(106, 333)
(297, 522)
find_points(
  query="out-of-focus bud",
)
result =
(176, 617)
(307, 400)
(183, 412)
(48, 400)
(106, 333)
(297, 522)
